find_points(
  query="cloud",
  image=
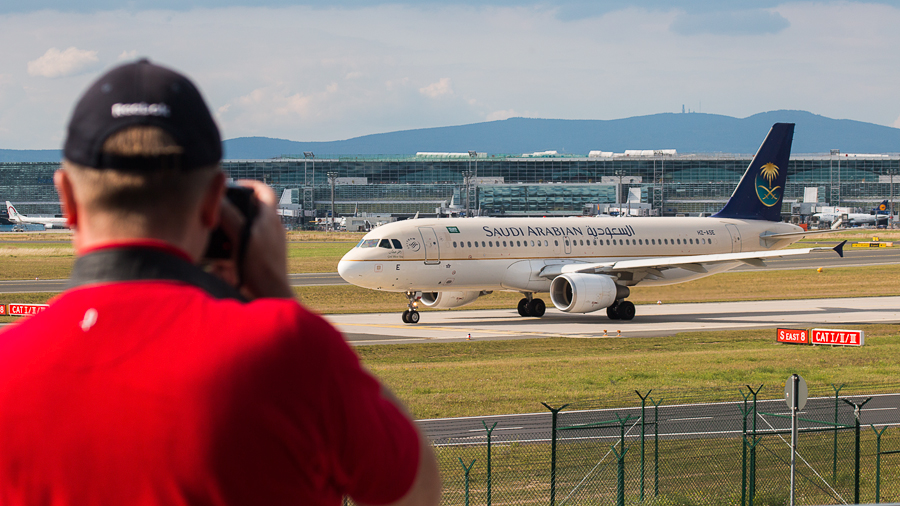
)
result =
(747, 22)
(501, 115)
(438, 89)
(128, 55)
(56, 63)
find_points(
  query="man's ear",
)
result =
(212, 200)
(66, 197)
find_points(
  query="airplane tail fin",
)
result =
(882, 207)
(11, 212)
(758, 196)
(286, 196)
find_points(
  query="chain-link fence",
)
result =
(655, 451)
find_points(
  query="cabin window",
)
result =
(491, 244)
(469, 243)
(385, 243)
(555, 242)
(567, 242)
(607, 242)
(581, 242)
(396, 243)
(454, 244)
(476, 244)
(518, 243)
(504, 244)
(369, 243)
(678, 241)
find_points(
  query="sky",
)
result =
(323, 70)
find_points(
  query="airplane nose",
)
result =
(345, 268)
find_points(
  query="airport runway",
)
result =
(676, 421)
(58, 285)
(651, 321)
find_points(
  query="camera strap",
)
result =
(135, 263)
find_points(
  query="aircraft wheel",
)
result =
(406, 316)
(626, 310)
(523, 307)
(413, 317)
(537, 307)
(612, 312)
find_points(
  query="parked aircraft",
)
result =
(877, 216)
(585, 263)
(21, 219)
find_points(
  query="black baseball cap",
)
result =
(142, 93)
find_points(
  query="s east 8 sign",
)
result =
(837, 337)
(792, 336)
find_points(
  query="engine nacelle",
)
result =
(447, 300)
(583, 293)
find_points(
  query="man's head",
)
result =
(141, 155)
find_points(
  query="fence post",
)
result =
(856, 412)
(745, 411)
(643, 432)
(655, 446)
(837, 390)
(753, 447)
(554, 412)
(878, 462)
(466, 470)
(489, 431)
(620, 485)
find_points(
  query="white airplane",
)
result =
(585, 263)
(878, 216)
(21, 219)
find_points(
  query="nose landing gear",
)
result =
(411, 315)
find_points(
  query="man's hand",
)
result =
(263, 271)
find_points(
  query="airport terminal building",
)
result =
(657, 182)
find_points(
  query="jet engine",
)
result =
(447, 300)
(583, 293)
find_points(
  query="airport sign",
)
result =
(837, 337)
(26, 309)
(2, 309)
(792, 336)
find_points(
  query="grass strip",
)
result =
(494, 377)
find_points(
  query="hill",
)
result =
(688, 133)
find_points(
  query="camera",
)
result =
(222, 246)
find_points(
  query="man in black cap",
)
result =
(151, 381)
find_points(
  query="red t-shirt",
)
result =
(154, 392)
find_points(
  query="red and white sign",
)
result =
(837, 337)
(2, 309)
(792, 336)
(26, 309)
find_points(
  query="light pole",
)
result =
(892, 173)
(473, 156)
(332, 177)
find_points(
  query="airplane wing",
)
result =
(696, 263)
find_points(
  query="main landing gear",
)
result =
(529, 306)
(621, 310)
(411, 315)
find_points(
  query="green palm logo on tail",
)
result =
(768, 194)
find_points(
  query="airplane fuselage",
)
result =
(487, 254)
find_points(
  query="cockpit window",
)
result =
(368, 243)
(385, 243)
(397, 244)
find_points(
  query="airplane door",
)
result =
(735, 238)
(429, 239)
(568, 244)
